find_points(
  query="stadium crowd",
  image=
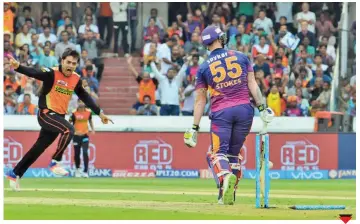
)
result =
(294, 82)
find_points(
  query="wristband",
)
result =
(195, 127)
(261, 107)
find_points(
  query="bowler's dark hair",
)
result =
(70, 52)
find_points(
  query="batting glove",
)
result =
(266, 113)
(190, 136)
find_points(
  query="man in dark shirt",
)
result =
(58, 86)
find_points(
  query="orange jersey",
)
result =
(57, 89)
(81, 120)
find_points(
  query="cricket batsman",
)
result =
(80, 118)
(59, 84)
(229, 77)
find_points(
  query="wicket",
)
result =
(262, 171)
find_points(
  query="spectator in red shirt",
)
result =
(151, 29)
(263, 48)
(324, 27)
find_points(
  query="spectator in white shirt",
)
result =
(164, 54)
(63, 45)
(284, 9)
(263, 22)
(169, 87)
(306, 16)
(154, 40)
(189, 95)
(88, 26)
(47, 36)
(119, 10)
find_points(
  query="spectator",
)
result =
(46, 60)
(28, 89)
(306, 16)
(195, 43)
(189, 26)
(120, 23)
(326, 59)
(283, 71)
(322, 102)
(133, 21)
(263, 48)
(303, 103)
(154, 15)
(264, 22)
(351, 106)
(151, 29)
(147, 85)
(299, 84)
(330, 49)
(9, 18)
(48, 44)
(26, 108)
(177, 57)
(192, 70)
(21, 20)
(188, 96)
(307, 33)
(64, 44)
(244, 38)
(284, 58)
(216, 21)
(273, 100)
(194, 52)
(283, 14)
(61, 22)
(169, 86)
(310, 50)
(90, 77)
(63, 27)
(92, 43)
(89, 12)
(72, 35)
(293, 109)
(315, 89)
(155, 39)
(88, 62)
(344, 97)
(88, 26)
(247, 25)
(8, 37)
(324, 27)
(105, 22)
(319, 73)
(164, 55)
(24, 37)
(29, 23)
(24, 54)
(8, 50)
(175, 28)
(261, 81)
(83, 58)
(304, 56)
(260, 64)
(150, 57)
(232, 27)
(44, 22)
(35, 50)
(179, 41)
(319, 64)
(47, 36)
(148, 108)
(9, 99)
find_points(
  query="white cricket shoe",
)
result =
(57, 169)
(228, 189)
(13, 181)
(78, 172)
(85, 175)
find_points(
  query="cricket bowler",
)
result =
(59, 84)
(80, 118)
(229, 77)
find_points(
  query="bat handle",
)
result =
(264, 129)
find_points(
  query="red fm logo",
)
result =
(300, 154)
(153, 154)
(13, 151)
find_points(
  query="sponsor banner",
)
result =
(287, 174)
(342, 174)
(178, 173)
(347, 151)
(41, 173)
(206, 174)
(133, 173)
(158, 151)
(100, 172)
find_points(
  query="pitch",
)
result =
(112, 199)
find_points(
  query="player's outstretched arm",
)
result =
(44, 74)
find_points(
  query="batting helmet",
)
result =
(212, 33)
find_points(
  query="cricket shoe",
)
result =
(13, 180)
(228, 189)
(85, 175)
(57, 169)
(78, 173)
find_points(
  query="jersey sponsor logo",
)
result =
(63, 90)
(62, 83)
(44, 69)
(217, 57)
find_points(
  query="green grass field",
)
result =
(112, 199)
